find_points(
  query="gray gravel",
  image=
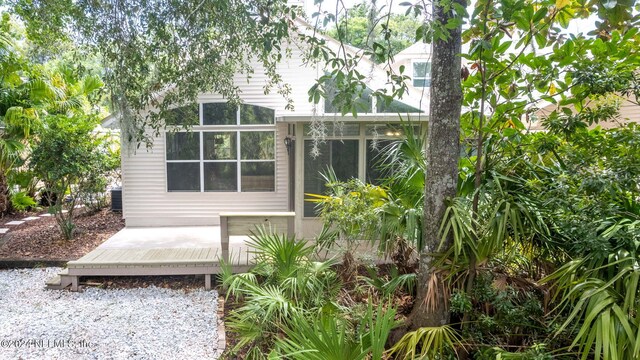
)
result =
(145, 323)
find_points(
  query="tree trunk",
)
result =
(4, 194)
(442, 153)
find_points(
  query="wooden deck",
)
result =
(159, 251)
(186, 250)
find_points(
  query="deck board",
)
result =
(189, 250)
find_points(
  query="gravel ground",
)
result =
(140, 323)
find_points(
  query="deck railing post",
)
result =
(290, 225)
(224, 237)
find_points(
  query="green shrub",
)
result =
(70, 158)
(22, 202)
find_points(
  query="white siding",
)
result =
(148, 203)
(294, 73)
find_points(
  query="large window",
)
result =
(421, 73)
(232, 150)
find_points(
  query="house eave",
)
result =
(369, 118)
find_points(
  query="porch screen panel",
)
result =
(376, 150)
(341, 155)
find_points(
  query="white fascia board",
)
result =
(366, 118)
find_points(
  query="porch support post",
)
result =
(207, 281)
(299, 180)
(74, 283)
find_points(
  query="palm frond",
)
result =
(90, 84)
(282, 252)
(427, 342)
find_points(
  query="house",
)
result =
(628, 112)
(257, 157)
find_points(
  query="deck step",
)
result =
(54, 281)
(60, 281)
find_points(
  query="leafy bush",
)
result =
(69, 157)
(22, 202)
(352, 208)
(289, 307)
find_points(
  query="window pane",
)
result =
(183, 146)
(219, 114)
(258, 176)
(362, 103)
(341, 155)
(186, 115)
(252, 114)
(222, 176)
(220, 146)
(183, 176)
(421, 82)
(257, 145)
(421, 69)
(395, 107)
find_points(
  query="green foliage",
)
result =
(386, 286)
(289, 307)
(93, 191)
(403, 165)
(427, 342)
(30, 91)
(330, 336)
(69, 157)
(22, 202)
(365, 27)
(291, 284)
(351, 207)
(503, 310)
(535, 352)
(150, 46)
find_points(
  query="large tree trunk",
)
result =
(443, 151)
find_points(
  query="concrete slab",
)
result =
(15, 222)
(31, 218)
(4, 230)
(45, 215)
